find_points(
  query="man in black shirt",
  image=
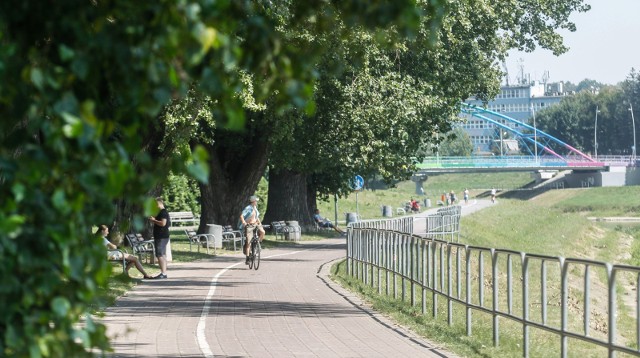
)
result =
(161, 224)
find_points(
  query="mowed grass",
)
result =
(554, 223)
(368, 203)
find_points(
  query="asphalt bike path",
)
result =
(287, 308)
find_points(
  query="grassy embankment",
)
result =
(554, 223)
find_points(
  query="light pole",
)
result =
(500, 129)
(595, 134)
(535, 134)
(633, 122)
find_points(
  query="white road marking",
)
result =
(200, 330)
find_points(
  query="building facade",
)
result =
(519, 102)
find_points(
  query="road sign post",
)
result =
(357, 184)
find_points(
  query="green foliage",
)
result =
(84, 84)
(387, 103)
(457, 144)
(182, 194)
(573, 120)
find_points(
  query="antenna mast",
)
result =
(506, 72)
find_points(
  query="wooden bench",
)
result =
(183, 217)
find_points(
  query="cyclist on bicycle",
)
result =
(250, 222)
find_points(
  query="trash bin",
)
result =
(216, 230)
(351, 218)
(387, 211)
(292, 231)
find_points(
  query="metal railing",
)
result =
(514, 161)
(569, 298)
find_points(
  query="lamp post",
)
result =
(535, 134)
(595, 135)
(500, 129)
(633, 122)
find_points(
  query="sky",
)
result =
(604, 47)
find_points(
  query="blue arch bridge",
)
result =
(542, 151)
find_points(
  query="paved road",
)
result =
(419, 226)
(288, 308)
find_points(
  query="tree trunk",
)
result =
(312, 194)
(288, 198)
(233, 177)
(125, 208)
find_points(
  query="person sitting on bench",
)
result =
(132, 260)
(322, 222)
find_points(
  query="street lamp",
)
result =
(633, 121)
(595, 134)
(502, 142)
(535, 134)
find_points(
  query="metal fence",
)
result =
(569, 298)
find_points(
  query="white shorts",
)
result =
(115, 255)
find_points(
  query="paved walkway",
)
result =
(288, 308)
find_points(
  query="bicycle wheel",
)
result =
(252, 255)
(256, 256)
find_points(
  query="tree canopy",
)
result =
(84, 85)
(573, 120)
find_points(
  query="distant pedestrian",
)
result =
(493, 195)
(466, 196)
(452, 197)
(415, 206)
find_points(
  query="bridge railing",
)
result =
(513, 161)
(571, 299)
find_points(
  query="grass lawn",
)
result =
(370, 202)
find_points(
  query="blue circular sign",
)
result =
(357, 183)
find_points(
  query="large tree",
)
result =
(84, 83)
(390, 101)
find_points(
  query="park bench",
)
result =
(181, 218)
(117, 255)
(318, 227)
(231, 236)
(140, 246)
(278, 228)
(198, 239)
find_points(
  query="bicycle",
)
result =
(255, 247)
